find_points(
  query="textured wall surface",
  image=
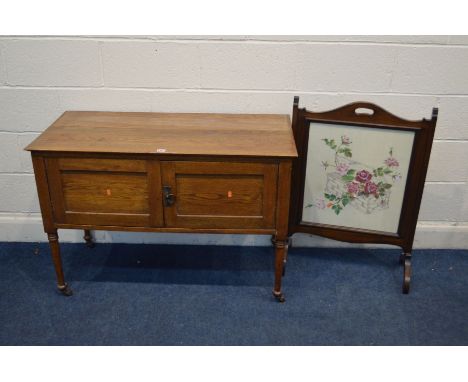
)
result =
(40, 77)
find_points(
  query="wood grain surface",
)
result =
(252, 135)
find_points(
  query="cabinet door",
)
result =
(105, 192)
(219, 194)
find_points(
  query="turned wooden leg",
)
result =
(281, 247)
(285, 260)
(55, 250)
(406, 260)
(88, 238)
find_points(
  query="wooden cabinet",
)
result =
(158, 172)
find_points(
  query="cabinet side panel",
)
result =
(42, 185)
(282, 209)
(55, 189)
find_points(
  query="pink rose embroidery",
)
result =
(363, 176)
(353, 188)
(391, 162)
(347, 184)
(342, 168)
(370, 188)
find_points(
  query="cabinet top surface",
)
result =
(259, 135)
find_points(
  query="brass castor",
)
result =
(65, 290)
(279, 296)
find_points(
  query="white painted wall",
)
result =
(40, 77)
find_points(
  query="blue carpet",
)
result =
(207, 295)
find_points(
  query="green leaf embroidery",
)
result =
(345, 150)
(330, 196)
(331, 143)
(337, 209)
(347, 178)
(345, 201)
(378, 171)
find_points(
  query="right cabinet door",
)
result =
(219, 194)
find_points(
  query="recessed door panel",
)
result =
(105, 191)
(219, 194)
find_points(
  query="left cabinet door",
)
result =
(105, 192)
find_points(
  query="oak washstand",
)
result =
(160, 172)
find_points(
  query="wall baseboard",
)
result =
(28, 228)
